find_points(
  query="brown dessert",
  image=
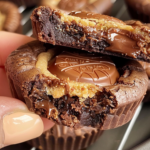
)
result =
(10, 18)
(139, 9)
(64, 138)
(72, 102)
(26, 3)
(92, 32)
(96, 6)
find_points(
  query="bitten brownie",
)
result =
(104, 94)
(92, 32)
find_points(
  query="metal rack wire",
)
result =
(119, 10)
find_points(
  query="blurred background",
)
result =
(16, 18)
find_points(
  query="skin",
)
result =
(8, 43)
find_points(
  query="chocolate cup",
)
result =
(65, 138)
(12, 22)
(139, 9)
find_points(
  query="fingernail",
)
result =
(20, 126)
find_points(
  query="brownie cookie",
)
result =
(102, 93)
(96, 6)
(10, 18)
(65, 138)
(139, 9)
(92, 32)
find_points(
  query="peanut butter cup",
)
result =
(92, 32)
(10, 18)
(65, 138)
(96, 6)
(99, 92)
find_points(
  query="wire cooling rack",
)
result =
(122, 138)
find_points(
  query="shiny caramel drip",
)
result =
(82, 68)
(2, 20)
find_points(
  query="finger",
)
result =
(17, 124)
(4, 86)
(9, 42)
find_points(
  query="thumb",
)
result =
(17, 123)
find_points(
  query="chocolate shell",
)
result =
(72, 103)
(64, 138)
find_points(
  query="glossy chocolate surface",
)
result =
(99, 70)
(118, 39)
(122, 44)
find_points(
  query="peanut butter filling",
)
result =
(82, 88)
(2, 20)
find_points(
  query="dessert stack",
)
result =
(72, 76)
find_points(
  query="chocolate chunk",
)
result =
(82, 68)
(71, 103)
(92, 32)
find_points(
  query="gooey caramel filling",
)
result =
(84, 74)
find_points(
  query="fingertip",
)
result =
(10, 42)
(47, 124)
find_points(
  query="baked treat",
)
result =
(104, 94)
(10, 18)
(139, 9)
(26, 3)
(96, 6)
(64, 138)
(92, 32)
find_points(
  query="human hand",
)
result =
(17, 123)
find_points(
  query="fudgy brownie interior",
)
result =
(75, 103)
(92, 32)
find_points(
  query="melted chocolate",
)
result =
(118, 39)
(46, 105)
(82, 68)
(122, 44)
